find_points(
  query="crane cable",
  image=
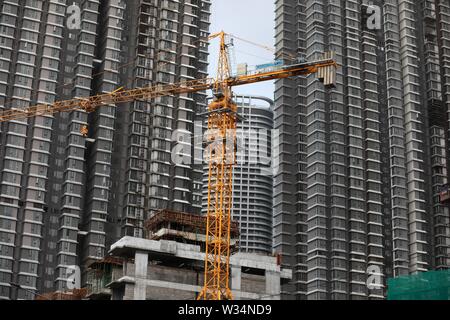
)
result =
(271, 49)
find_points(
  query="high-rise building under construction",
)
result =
(65, 197)
(356, 197)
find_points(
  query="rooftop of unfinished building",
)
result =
(183, 219)
(166, 249)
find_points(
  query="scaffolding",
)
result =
(431, 285)
(100, 274)
(183, 227)
(75, 294)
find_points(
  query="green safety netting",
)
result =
(432, 285)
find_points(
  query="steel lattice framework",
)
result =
(221, 155)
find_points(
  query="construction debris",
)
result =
(75, 294)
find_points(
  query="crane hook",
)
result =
(84, 130)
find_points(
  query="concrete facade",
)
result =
(65, 198)
(167, 270)
(361, 164)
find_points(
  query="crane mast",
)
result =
(221, 138)
(221, 154)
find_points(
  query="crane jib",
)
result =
(325, 69)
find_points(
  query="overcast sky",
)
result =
(248, 19)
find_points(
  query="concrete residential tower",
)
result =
(361, 164)
(65, 198)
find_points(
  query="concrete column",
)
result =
(118, 293)
(273, 285)
(236, 275)
(140, 275)
(128, 292)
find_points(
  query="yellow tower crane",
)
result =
(222, 120)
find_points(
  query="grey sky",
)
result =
(249, 19)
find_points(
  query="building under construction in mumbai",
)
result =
(169, 264)
(91, 233)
